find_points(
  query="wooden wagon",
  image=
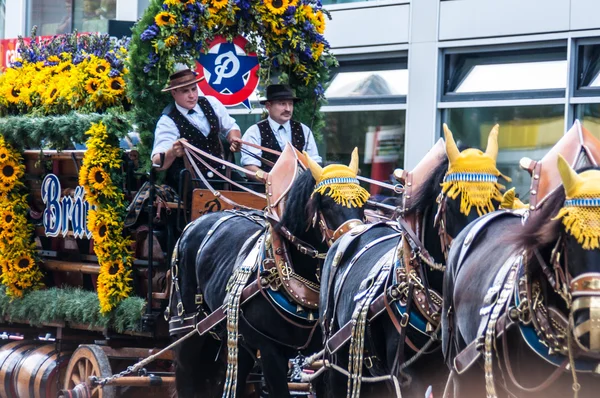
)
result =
(50, 357)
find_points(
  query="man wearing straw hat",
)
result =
(201, 121)
(276, 131)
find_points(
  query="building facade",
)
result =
(406, 67)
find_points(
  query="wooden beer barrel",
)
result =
(11, 355)
(37, 374)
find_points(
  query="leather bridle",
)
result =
(441, 223)
(329, 235)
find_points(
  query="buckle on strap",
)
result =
(404, 320)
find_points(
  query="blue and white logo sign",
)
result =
(231, 74)
(60, 213)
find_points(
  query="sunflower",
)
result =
(7, 217)
(317, 50)
(276, 29)
(112, 270)
(53, 58)
(164, 18)
(3, 154)
(218, 4)
(92, 85)
(172, 40)
(277, 7)
(99, 231)
(7, 232)
(12, 93)
(24, 263)
(98, 178)
(99, 67)
(117, 84)
(9, 172)
(319, 22)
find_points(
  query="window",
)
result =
(93, 15)
(540, 73)
(523, 90)
(378, 135)
(2, 17)
(367, 109)
(50, 16)
(384, 83)
(524, 131)
(588, 71)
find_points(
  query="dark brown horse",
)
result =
(350, 271)
(215, 245)
(520, 301)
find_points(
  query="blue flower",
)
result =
(77, 59)
(319, 90)
(150, 33)
(114, 73)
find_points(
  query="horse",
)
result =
(321, 202)
(521, 292)
(355, 268)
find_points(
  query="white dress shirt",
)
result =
(166, 132)
(283, 136)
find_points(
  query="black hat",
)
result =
(278, 92)
(183, 78)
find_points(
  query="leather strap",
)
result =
(218, 315)
(414, 241)
(470, 354)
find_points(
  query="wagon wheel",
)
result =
(89, 360)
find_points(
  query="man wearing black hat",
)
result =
(277, 130)
(199, 120)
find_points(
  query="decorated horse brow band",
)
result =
(345, 191)
(471, 177)
(583, 202)
(338, 180)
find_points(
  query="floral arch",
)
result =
(286, 35)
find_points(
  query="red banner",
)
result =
(9, 47)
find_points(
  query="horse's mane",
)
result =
(426, 195)
(296, 217)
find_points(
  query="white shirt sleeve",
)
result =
(165, 134)
(227, 122)
(251, 135)
(311, 145)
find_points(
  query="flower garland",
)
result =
(20, 272)
(65, 73)
(101, 178)
(290, 32)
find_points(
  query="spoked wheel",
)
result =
(89, 360)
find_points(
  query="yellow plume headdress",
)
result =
(339, 182)
(511, 202)
(473, 174)
(581, 212)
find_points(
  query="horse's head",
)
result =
(325, 202)
(580, 222)
(470, 185)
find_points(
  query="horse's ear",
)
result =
(492, 145)
(451, 149)
(314, 167)
(569, 177)
(354, 161)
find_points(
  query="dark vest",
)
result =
(268, 140)
(211, 143)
